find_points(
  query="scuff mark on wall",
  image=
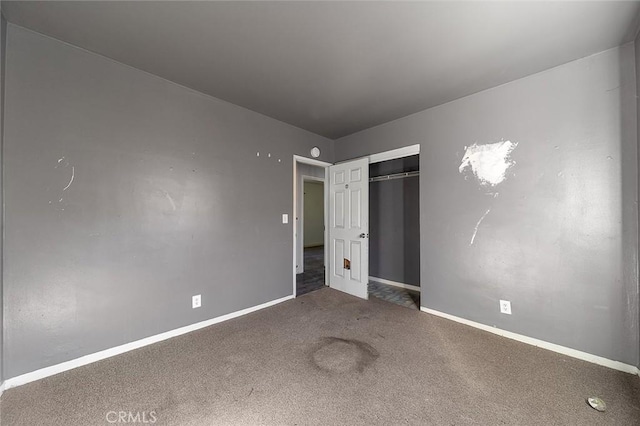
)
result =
(475, 231)
(73, 175)
(489, 162)
(173, 204)
(64, 163)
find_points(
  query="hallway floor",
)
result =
(312, 278)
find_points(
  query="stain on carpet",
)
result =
(336, 355)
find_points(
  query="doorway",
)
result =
(394, 228)
(374, 230)
(310, 214)
(348, 175)
(311, 219)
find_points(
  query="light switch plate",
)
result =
(285, 218)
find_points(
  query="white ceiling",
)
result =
(335, 68)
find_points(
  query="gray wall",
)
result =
(168, 200)
(313, 214)
(394, 223)
(3, 39)
(637, 56)
(560, 241)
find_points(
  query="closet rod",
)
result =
(395, 176)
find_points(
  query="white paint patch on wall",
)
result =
(488, 163)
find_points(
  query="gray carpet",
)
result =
(329, 358)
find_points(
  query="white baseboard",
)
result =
(616, 365)
(395, 283)
(107, 353)
(1, 389)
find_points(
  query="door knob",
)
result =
(363, 235)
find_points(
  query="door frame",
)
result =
(306, 178)
(313, 162)
(393, 154)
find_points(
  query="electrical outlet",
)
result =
(196, 301)
(505, 307)
(285, 218)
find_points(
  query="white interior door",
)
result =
(349, 227)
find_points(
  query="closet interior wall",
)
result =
(394, 220)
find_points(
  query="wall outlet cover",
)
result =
(196, 301)
(285, 218)
(505, 307)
